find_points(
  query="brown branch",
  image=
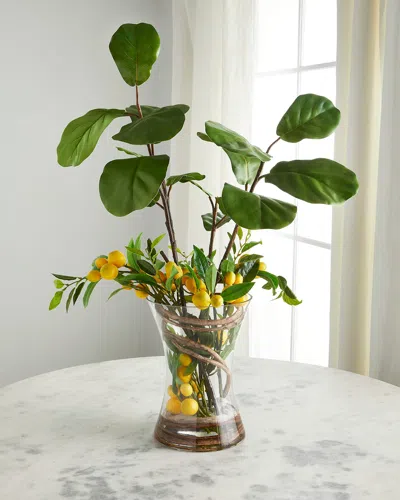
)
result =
(164, 256)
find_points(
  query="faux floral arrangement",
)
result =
(198, 299)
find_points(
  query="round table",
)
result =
(313, 433)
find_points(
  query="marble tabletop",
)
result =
(85, 433)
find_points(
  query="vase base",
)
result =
(199, 434)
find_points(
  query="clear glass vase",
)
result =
(199, 411)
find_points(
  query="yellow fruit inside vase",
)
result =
(93, 276)
(186, 390)
(217, 301)
(185, 359)
(181, 374)
(117, 258)
(189, 407)
(100, 262)
(109, 272)
(143, 291)
(229, 278)
(174, 406)
(171, 393)
(201, 300)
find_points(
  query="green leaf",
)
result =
(114, 293)
(289, 300)
(78, 291)
(130, 184)
(236, 291)
(82, 134)
(227, 266)
(211, 278)
(131, 256)
(204, 137)
(251, 244)
(140, 278)
(190, 176)
(240, 233)
(64, 278)
(136, 251)
(157, 240)
(282, 282)
(148, 110)
(58, 284)
(253, 211)
(208, 220)
(269, 278)
(249, 270)
(201, 262)
(55, 301)
(68, 303)
(244, 167)
(190, 368)
(162, 125)
(88, 293)
(146, 267)
(233, 142)
(193, 275)
(250, 258)
(314, 181)
(170, 280)
(309, 117)
(129, 152)
(135, 48)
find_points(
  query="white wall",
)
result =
(55, 65)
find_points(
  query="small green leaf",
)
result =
(68, 303)
(240, 233)
(190, 176)
(78, 291)
(250, 258)
(227, 266)
(136, 251)
(170, 280)
(191, 368)
(140, 278)
(157, 240)
(314, 181)
(233, 142)
(131, 153)
(310, 116)
(58, 284)
(290, 300)
(208, 220)
(269, 278)
(244, 167)
(114, 293)
(146, 267)
(253, 211)
(282, 282)
(249, 270)
(88, 293)
(236, 291)
(204, 137)
(131, 184)
(162, 125)
(251, 244)
(193, 275)
(211, 278)
(64, 278)
(200, 261)
(55, 301)
(135, 48)
(82, 134)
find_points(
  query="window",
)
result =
(296, 54)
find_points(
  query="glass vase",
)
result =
(199, 410)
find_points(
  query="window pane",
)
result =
(312, 316)
(270, 322)
(319, 32)
(319, 81)
(277, 34)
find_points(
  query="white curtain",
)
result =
(213, 57)
(365, 272)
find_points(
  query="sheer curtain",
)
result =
(213, 59)
(365, 321)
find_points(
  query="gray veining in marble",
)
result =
(85, 433)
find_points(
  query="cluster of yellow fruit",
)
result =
(183, 402)
(107, 268)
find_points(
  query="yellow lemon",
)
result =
(181, 374)
(262, 266)
(202, 285)
(117, 258)
(185, 271)
(143, 292)
(173, 287)
(238, 279)
(94, 276)
(201, 300)
(189, 407)
(185, 277)
(185, 359)
(186, 390)
(160, 277)
(171, 393)
(174, 406)
(217, 301)
(190, 285)
(229, 278)
(168, 270)
(100, 262)
(109, 272)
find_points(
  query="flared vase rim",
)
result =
(190, 305)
